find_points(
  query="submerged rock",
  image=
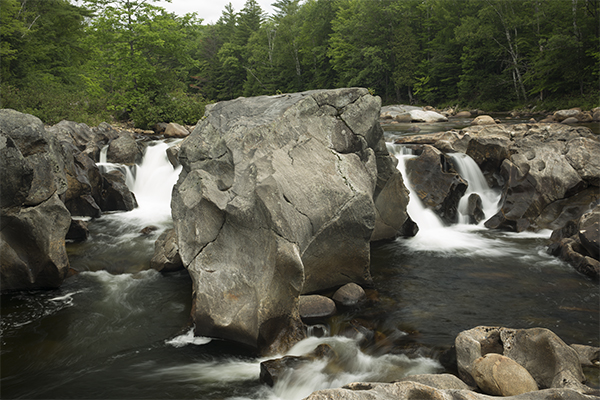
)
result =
(278, 197)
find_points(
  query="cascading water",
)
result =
(117, 322)
(469, 170)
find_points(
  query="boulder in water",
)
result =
(277, 197)
(498, 375)
(124, 150)
(436, 182)
(166, 253)
(349, 295)
(33, 217)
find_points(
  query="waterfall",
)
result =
(152, 184)
(433, 235)
(469, 170)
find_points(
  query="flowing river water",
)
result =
(117, 330)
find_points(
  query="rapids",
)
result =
(118, 330)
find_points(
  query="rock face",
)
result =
(278, 197)
(578, 243)
(34, 219)
(548, 173)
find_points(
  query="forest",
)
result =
(131, 60)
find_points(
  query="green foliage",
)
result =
(94, 60)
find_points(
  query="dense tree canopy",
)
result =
(131, 59)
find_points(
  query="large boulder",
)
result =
(33, 219)
(277, 197)
(436, 182)
(549, 360)
(32, 246)
(578, 243)
(405, 113)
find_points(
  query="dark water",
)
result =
(126, 333)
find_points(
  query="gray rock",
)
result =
(78, 231)
(418, 391)
(588, 355)
(116, 196)
(124, 150)
(475, 209)
(589, 232)
(166, 253)
(436, 182)
(438, 381)
(562, 115)
(349, 295)
(32, 243)
(314, 307)
(276, 198)
(551, 362)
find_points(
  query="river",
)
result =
(117, 330)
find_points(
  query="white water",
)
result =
(152, 184)
(469, 170)
(465, 239)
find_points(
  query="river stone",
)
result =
(498, 375)
(124, 150)
(349, 295)
(551, 362)
(589, 232)
(483, 120)
(315, 307)
(588, 355)
(174, 130)
(166, 256)
(275, 199)
(78, 231)
(562, 115)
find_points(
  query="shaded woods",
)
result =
(105, 60)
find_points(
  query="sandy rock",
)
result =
(500, 376)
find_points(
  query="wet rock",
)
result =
(498, 375)
(314, 308)
(475, 209)
(160, 128)
(589, 232)
(78, 231)
(172, 154)
(124, 150)
(578, 243)
(148, 230)
(166, 256)
(436, 182)
(348, 296)
(272, 371)
(404, 113)
(588, 355)
(116, 196)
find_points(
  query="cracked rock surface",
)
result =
(278, 197)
